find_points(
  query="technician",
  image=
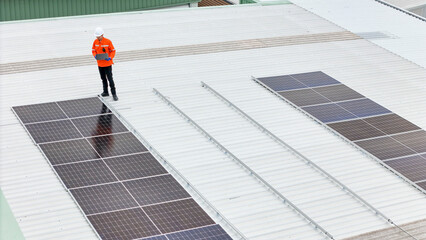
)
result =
(101, 46)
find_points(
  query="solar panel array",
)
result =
(122, 189)
(392, 139)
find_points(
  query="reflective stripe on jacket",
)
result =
(99, 47)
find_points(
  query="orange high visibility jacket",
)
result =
(104, 46)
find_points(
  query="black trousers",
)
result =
(106, 76)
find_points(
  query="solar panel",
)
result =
(69, 151)
(85, 174)
(178, 215)
(314, 79)
(363, 108)
(338, 93)
(103, 198)
(53, 131)
(391, 124)
(214, 232)
(422, 184)
(329, 112)
(39, 112)
(411, 167)
(414, 140)
(123, 225)
(385, 148)
(356, 129)
(117, 144)
(280, 83)
(83, 107)
(369, 125)
(135, 166)
(162, 237)
(304, 97)
(156, 190)
(110, 173)
(99, 125)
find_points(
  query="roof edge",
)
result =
(402, 10)
(272, 2)
(145, 11)
(9, 228)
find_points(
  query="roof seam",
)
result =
(176, 51)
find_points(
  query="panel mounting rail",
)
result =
(245, 167)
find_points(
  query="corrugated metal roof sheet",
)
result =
(44, 209)
(369, 16)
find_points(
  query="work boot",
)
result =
(104, 94)
(115, 97)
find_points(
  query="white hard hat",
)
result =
(99, 32)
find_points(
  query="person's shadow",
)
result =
(103, 145)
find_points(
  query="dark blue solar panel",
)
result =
(113, 207)
(214, 232)
(364, 108)
(281, 83)
(314, 79)
(329, 113)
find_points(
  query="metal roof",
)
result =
(360, 16)
(407, 4)
(43, 208)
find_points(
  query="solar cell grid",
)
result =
(414, 167)
(83, 107)
(123, 225)
(135, 166)
(214, 232)
(314, 79)
(422, 185)
(385, 148)
(162, 237)
(356, 129)
(156, 190)
(338, 93)
(103, 198)
(329, 113)
(304, 97)
(116, 144)
(391, 123)
(363, 107)
(178, 215)
(281, 83)
(53, 131)
(39, 112)
(99, 125)
(414, 140)
(85, 174)
(68, 151)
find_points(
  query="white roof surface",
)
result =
(360, 16)
(44, 209)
